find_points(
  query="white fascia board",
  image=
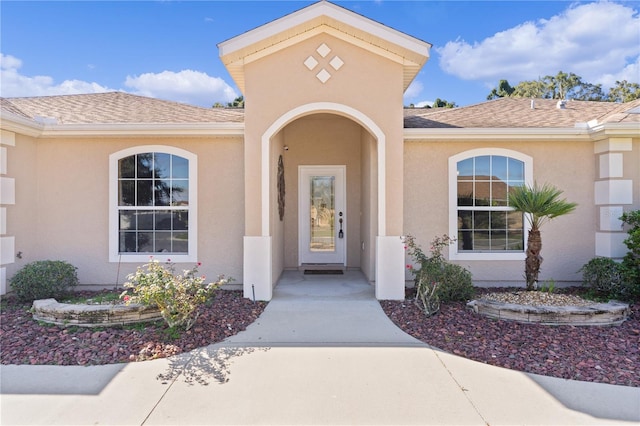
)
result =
(331, 11)
(413, 134)
(21, 125)
(170, 129)
(608, 130)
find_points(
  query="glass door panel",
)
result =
(322, 214)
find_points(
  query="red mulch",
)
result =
(594, 354)
(25, 341)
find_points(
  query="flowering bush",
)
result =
(177, 296)
(436, 279)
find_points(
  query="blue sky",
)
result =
(167, 49)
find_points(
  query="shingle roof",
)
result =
(120, 107)
(6, 105)
(117, 107)
(518, 113)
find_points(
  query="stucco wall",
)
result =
(283, 76)
(323, 139)
(277, 225)
(369, 195)
(65, 198)
(632, 171)
(22, 217)
(568, 241)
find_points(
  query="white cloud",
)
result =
(15, 84)
(193, 87)
(414, 89)
(596, 41)
(9, 62)
(629, 73)
(423, 104)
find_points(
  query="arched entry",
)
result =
(314, 108)
(262, 261)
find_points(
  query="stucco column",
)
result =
(7, 197)
(257, 241)
(612, 193)
(390, 273)
(389, 268)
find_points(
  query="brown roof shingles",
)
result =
(514, 113)
(623, 114)
(119, 107)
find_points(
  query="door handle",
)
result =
(341, 232)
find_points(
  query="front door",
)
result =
(322, 227)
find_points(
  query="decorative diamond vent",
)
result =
(335, 62)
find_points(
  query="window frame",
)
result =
(454, 254)
(192, 208)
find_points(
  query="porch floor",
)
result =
(324, 310)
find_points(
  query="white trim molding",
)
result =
(611, 165)
(314, 108)
(192, 253)
(7, 190)
(613, 192)
(611, 244)
(453, 202)
(7, 250)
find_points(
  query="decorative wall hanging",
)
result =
(281, 188)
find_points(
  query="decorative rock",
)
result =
(612, 313)
(66, 314)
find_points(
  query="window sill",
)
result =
(487, 256)
(144, 258)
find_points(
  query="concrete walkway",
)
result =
(323, 352)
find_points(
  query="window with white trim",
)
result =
(152, 195)
(485, 226)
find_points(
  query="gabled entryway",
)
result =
(323, 63)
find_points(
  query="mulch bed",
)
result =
(593, 354)
(25, 341)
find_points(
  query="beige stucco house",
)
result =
(323, 166)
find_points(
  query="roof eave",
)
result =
(629, 129)
(449, 134)
(125, 129)
(311, 12)
(232, 55)
(18, 124)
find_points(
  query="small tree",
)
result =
(541, 204)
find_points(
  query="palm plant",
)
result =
(541, 204)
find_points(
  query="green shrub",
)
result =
(603, 278)
(438, 280)
(609, 279)
(454, 283)
(44, 279)
(630, 266)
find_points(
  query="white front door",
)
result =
(322, 226)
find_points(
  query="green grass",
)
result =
(98, 299)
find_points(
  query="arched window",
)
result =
(152, 196)
(485, 226)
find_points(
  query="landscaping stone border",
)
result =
(66, 314)
(600, 314)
